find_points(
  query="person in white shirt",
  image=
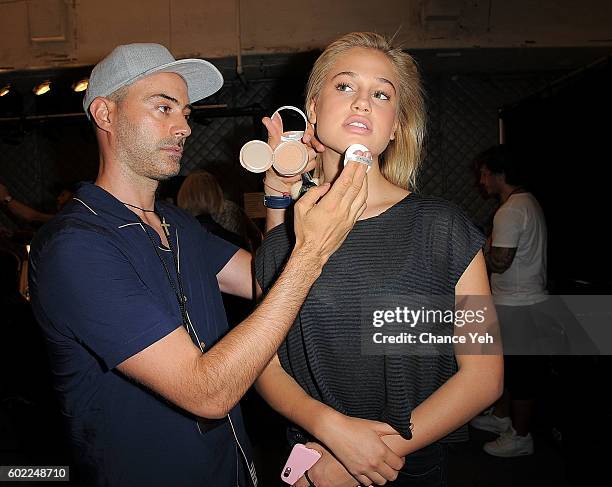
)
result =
(516, 259)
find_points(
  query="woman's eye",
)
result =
(343, 87)
(381, 95)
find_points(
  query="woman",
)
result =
(201, 195)
(360, 408)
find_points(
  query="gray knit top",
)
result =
(419, 246)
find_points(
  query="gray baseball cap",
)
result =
(130, 62)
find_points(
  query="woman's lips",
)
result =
(356, 129)
(357, 125)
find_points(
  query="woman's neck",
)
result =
(382, 194)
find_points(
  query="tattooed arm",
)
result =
(499, 259)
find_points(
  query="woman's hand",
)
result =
(327, 472)
(359, 445)
(275, 183)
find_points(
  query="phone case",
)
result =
(300, 460)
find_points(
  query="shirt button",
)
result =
(203, 345)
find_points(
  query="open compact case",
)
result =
(288, 159)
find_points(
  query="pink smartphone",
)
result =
(300, 460)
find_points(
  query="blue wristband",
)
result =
(278, 202)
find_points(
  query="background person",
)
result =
(516, 259)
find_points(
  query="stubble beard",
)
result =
(143, 156)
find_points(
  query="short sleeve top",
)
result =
(421, 245)
(101, 295)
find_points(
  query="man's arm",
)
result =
(506, 235)
(210, 384)
(499, 259)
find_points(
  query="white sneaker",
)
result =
(489, 422)
(509, 444)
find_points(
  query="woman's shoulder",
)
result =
(433, 215)
(434, 207)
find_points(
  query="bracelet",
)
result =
(277, 202)
(310, 482)
(284, 193)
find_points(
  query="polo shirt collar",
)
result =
(98, 200)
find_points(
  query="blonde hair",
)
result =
(200, 193)
(400, 161)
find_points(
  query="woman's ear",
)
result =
(312, 114)
(393, 130)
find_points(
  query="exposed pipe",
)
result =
(55, 116)
(239, 68)
(502, 128)
(238, 41)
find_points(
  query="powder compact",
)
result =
(289, 158)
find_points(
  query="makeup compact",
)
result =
(288, 159)
(350, 155)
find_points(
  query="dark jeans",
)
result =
(427, 467)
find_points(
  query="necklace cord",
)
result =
(186, 322)
(137, 207)
(179, 297)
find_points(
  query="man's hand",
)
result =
(327, 472)
(359, 445)
(323, 217)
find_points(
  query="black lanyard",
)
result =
(203, 425)
(179, 293)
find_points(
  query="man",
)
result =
(127, 290)
(516, 260)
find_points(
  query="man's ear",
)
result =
(312, 114)
(100, 111)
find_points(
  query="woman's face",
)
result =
(358, 102)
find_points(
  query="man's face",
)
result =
(489, 181)
(151, 126)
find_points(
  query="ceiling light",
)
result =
(5, 90)
(80, 85)
(42, 88)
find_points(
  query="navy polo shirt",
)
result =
(101, 295)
